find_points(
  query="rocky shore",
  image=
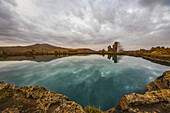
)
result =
(36, 99)
(160, 59)
(156, 100)
(160, 55)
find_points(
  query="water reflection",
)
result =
(87, 80)
(37, 58)
(114, 58)
(46, 58)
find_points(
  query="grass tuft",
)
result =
(91, 109)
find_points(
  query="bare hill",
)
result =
(40, 48)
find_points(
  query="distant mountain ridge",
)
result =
(41, 49)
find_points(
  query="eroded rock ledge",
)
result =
(36, 99)
(156, 100)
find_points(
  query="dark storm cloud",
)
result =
(85, 23)
(154, 2)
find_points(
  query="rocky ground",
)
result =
(36, 99)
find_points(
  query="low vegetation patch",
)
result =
(91, 109)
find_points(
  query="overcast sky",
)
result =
(85, 23)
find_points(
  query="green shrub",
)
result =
(4, 53)
(91, 109)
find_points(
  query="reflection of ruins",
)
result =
(114, 58)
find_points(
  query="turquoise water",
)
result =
(87, 80)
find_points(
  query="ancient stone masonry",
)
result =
(114, 49)
(109, 48)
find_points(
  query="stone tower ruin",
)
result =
(115, 47)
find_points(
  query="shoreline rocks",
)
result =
(162, 82)
(34, 99)
(156, 100)
(160, 55)
(150, 102)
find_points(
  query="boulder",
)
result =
(154, 101)
(162, 82)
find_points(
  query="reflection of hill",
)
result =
(37, 58)
(46, 58)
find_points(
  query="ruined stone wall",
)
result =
(115, 47)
